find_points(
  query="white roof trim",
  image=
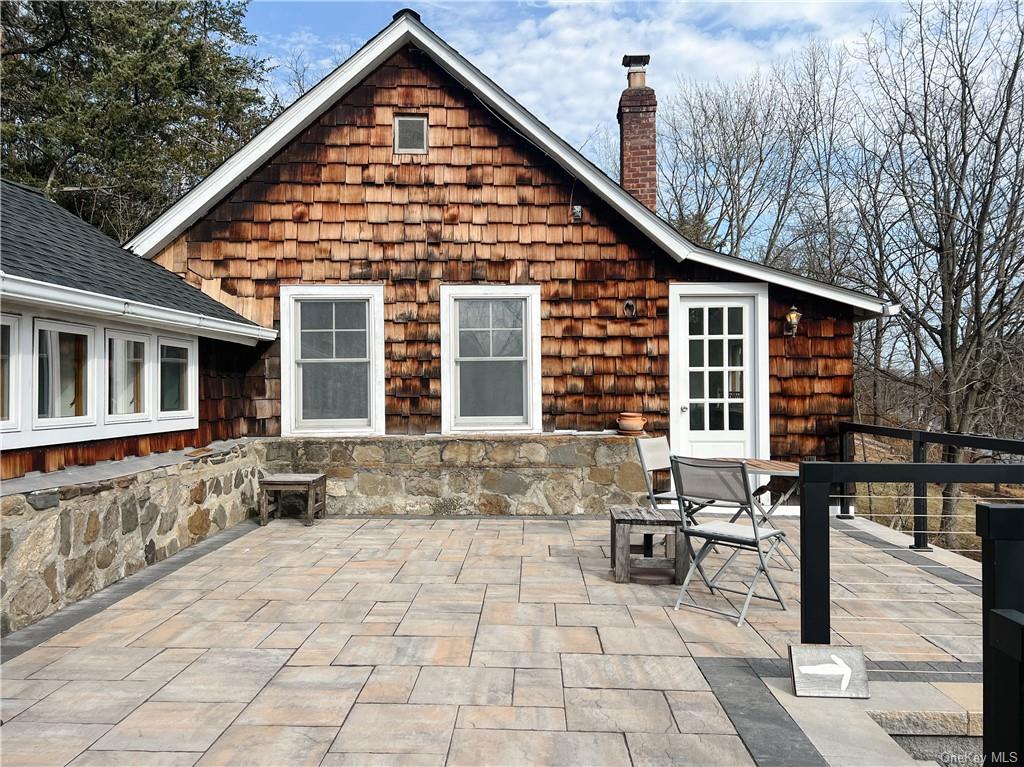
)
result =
(97, 304)
(406, 29)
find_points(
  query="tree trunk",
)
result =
(950, 501)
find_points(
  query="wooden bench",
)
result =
(313, 485)
(627, 517)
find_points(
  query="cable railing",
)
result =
(920, 439)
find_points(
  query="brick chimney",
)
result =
(637, 146)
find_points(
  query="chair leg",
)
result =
(768, 575)
(704, 551)
(750, 594)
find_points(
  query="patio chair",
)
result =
(654, 456)
(701, 483)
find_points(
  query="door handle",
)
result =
(683, 408)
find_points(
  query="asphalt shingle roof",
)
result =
(40, 240)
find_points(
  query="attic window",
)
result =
(410, 134)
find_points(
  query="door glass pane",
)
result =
(735, 320)
(715, 321)
(715, 354)
(736, 351)
(335, 390)
(696, 354)
(716, 385)
(5, 372)
(697, 416)
(696, 322)
(494, 388)
(126, 361)
(736, 384)
(62, 376)
(716, 416)
(735, 416)
(173, 378)
(696, 384)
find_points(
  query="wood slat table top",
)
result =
(291, 479)
(762, 466)
(643, 515)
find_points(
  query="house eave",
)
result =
(36, 292)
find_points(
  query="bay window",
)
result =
(490, 350)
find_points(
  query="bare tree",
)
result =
(944, 121)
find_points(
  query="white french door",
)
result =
(718, 377)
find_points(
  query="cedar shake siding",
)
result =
(482, 206)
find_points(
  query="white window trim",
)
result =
(192, 379)
(531, 335)
(147, 377)
(759, 338)
(426, 134)
(13, 423)
(89, 419)
(290, 296)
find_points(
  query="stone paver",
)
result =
(421, 642)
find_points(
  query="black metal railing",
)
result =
(920, 439)
(817, 481)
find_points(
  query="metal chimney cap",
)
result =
(636, 60)
(408, 12)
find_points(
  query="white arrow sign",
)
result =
(836, 668)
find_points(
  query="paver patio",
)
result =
(475, 642)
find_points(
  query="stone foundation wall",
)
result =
(61, 545)
(438, 475)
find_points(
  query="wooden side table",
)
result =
(623, 519)
(313, 485)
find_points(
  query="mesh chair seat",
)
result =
(732, 531)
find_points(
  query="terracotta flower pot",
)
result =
(631, 422)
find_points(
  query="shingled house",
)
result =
(439, 262)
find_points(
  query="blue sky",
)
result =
(562, 60)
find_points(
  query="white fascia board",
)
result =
(408, 30)
(96, 304)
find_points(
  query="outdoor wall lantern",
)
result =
(792, 321)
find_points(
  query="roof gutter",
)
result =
(37, 292)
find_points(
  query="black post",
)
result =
(846, 456)
(920, 498)
(1001, 529)
(815, 621)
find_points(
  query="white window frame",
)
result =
(147, 377)
(426, 133)
(450, 422)
(291, 400)
(192, 379)
(90, 418)
(13, 423)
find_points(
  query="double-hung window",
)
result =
(63, 356)
(126, 377)
(333, 349)
(490, 349)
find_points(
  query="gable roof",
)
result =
(50, 255)
(407, 29)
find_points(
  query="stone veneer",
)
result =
(440, 475)
(62, 544)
